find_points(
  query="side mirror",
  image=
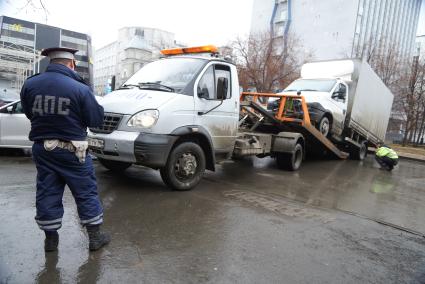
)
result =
(203, 93)
(222, 87)
(9, 109)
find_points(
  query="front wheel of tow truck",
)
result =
(290, 161)
(359, 153)
(185, 167)
(114, 166)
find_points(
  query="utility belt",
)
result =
(77, 147)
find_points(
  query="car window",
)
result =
(223, 71)
(17, 108)
(206, 84)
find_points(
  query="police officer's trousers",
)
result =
(58, 168)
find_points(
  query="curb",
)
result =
(411, 158)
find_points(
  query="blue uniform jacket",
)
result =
(60, 105)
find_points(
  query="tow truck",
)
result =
(184, 113)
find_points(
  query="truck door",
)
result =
(218, 115)
(339, 100)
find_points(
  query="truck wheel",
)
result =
(324, 126)
(289, 161)
(115, 166)
(359, 153)
(185, 167)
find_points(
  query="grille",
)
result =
(110, 123)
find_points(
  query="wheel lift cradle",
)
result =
(281, 134)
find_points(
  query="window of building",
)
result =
(279, 29)
(139, 32)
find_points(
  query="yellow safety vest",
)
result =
(386, 152)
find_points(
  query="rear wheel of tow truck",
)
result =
(185, 167)
(290, 161)
(114, 166)
(359, 153)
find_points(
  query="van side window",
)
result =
(223, 71)
(340, 93)
(343, 89)
(208, 83)
(206, 88)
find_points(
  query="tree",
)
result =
(268, 63)
(405, 78)
(32, 6)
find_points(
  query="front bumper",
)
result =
(146, 149)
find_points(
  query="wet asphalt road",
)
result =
(246, 223)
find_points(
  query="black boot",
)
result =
(97, 238)
(51, 242)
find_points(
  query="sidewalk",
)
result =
(412, 153)
(411, 156)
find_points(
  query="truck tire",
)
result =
(359, 153)
(185, 167)
(290, 161)
(324, 126)
(114, 166)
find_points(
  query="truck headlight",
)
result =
(144, 119)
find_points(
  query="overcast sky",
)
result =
(194, 22)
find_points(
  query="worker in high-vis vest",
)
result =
(386, 157)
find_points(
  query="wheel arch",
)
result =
(199, 135)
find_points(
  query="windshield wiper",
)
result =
(311, 90)
(152, 84)
(290, 90)
(128, 86)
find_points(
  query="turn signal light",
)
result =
(188, 50)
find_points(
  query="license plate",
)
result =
(96, 143)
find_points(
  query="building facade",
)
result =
(21, 43)
(134, 47)
(340, 28)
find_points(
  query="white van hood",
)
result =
(135, 100)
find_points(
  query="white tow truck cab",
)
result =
(178, 114)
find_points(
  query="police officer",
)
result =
(61, 106)
(386, 157)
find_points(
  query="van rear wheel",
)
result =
(185, 167)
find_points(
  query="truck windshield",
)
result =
(314, 85)
(170, 75)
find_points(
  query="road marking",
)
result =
(18, 186)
